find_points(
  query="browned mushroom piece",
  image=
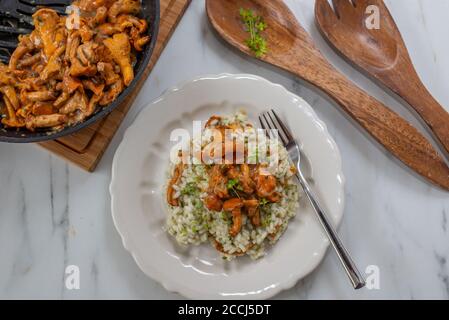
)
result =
(266, 186)
(245, 179)
(233, 172)
(274, 197)
(217, 182)
(174, 180)
(234, 206)
(213, 202)
(252, 209)
(123, 6)
(25, 46)
(45, 121)
(211, 120)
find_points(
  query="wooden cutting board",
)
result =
(86, 147)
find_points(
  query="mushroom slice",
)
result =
(46, 95)
(24, 47)
(123, 6)
(174, 180)
(234, 206)
(213, 202)
(77, 102)
(10, 93)
(54, 64)
(42, 108)
(45, 121)
(113, 92)
(45, 22)
(120, 50)
(36, 58)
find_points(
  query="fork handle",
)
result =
(353, 273)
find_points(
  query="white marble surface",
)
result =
(53, 214)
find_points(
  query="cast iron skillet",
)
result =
(150, 12)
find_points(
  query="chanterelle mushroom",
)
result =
(120, 51)
(235, 207)
(252, 208)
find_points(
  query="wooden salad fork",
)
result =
(382, 54)
(292, 49)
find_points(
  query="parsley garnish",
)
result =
(190, 189)
(234, 185)
(254, 25)
(263, 202)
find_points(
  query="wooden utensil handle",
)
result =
(419, 98)
(389, 129)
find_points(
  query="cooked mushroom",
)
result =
(120, 50)
(45, 121)
(234, 206)
(217, 182)
(213, 202)
(252, 208)
(123, 6)
(174, 180)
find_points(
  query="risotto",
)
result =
(240, 205)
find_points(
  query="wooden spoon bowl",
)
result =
(382, 54)
(292, 49)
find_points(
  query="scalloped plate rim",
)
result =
(171, 286)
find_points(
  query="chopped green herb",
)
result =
(190, 189)
(254, 25)
(263, 202)
(266, 221)
(232, 183)
(198, 205)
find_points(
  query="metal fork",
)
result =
(15, 19)
(271, 121)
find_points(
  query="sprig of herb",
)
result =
(234, 186)
(263, 202)
(232, 183)
(254, 25)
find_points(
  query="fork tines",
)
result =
(271, 121)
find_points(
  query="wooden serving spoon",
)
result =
(382, 54)
(292, 49)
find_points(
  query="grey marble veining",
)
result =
(52, 214)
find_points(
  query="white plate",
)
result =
(139, 170)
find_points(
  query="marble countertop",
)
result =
(53, 214)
